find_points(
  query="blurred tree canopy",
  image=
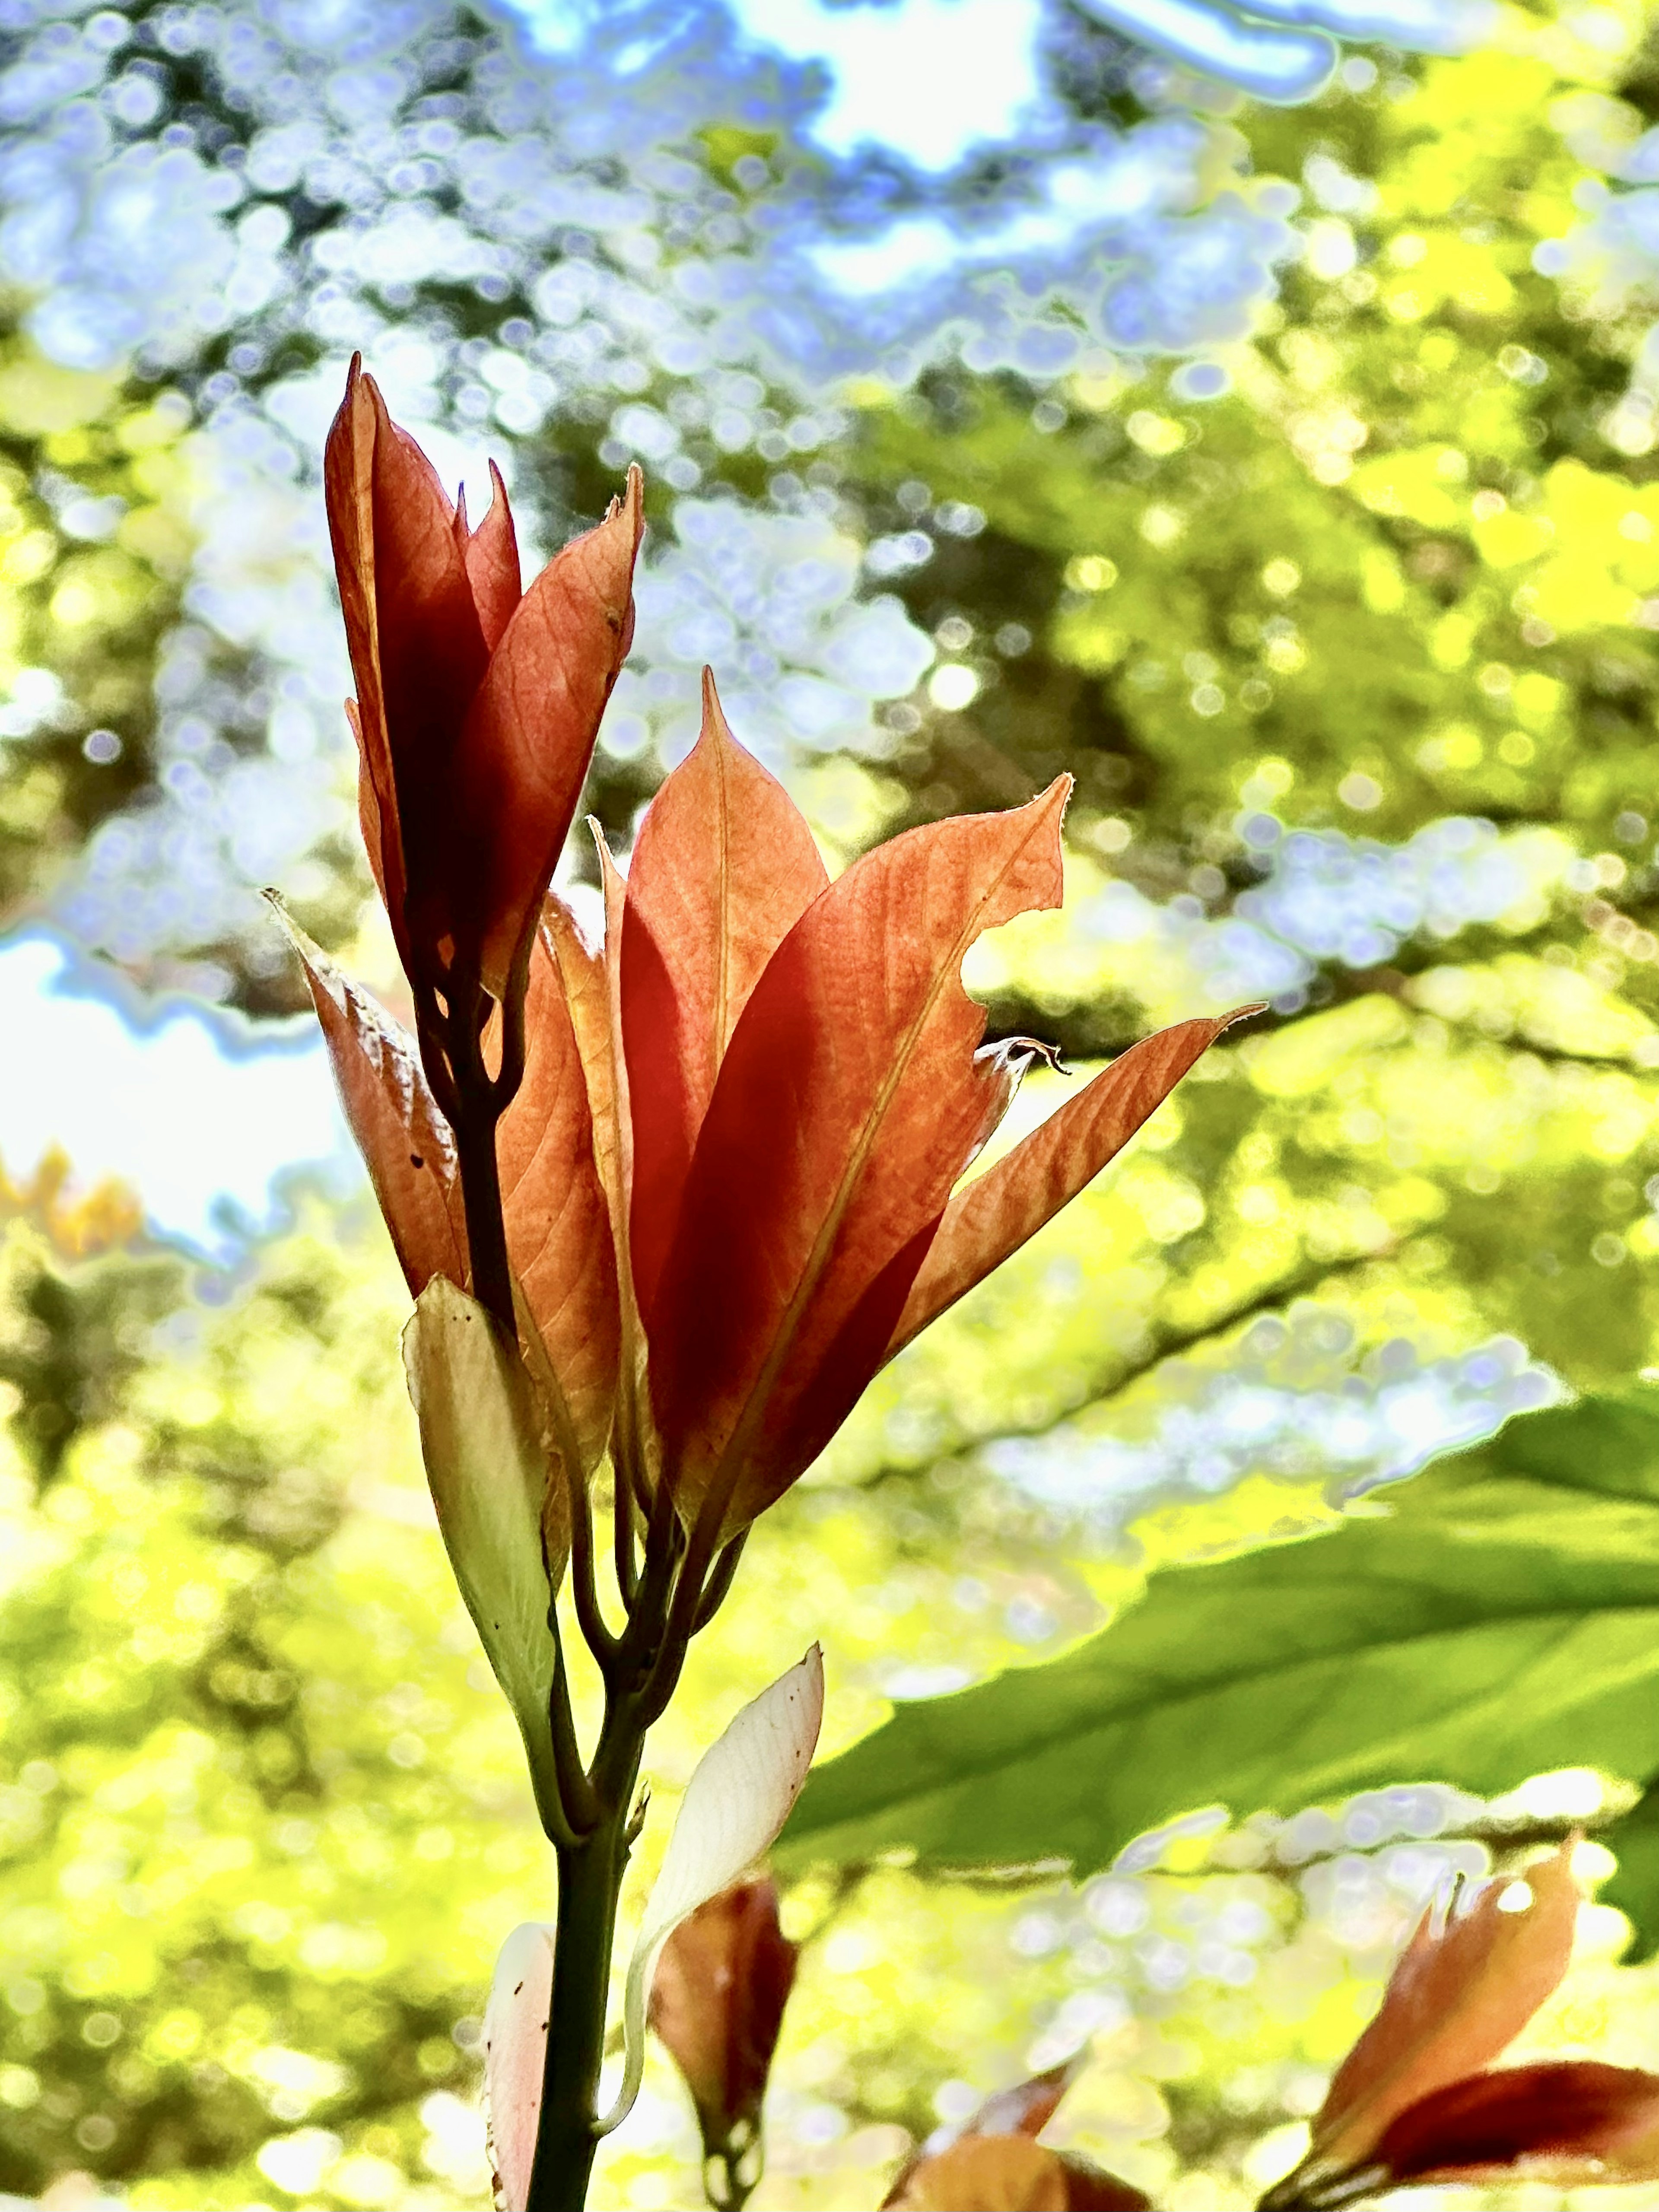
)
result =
(1348, 629)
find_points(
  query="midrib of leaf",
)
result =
(1070, 1728)
(728, 1468)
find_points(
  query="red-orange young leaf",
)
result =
(476, 709)
(1010, 2173)
(723, 868)
(403, 1138)
(618, 1153)
(491, 553)
(1455, 2001)
(418, 647)
(558, 1237)
(349, 484)
(587, 994)
(1563, 2122)
(600, 1031)
(995, 2165)
(848, 1104)
(992, 1216)
(381, 855)
(531, 729)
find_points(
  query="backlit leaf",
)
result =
(515, 2056)
(737, 1798)
(848, 1104)
(531, 727)
(480, 1439)
(1455, 2001)
(558, 1231)
(1001, 1209)
(404, 1140)
(723, 868)
(1494, 1619)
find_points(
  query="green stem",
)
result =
(590, 1885)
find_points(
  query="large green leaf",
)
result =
(1500, 1617)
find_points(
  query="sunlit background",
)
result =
(1260, 424)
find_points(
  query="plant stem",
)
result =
(668, 1595)
(486, 1233)
(472, 1100)
(590, 1885)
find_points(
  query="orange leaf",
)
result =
(724, 867)
(477, 708)
(404, 1140)
(1456, 2000)
(375, 826)
(558, 1237)
(1009, 2174)
(999, 1210)
(848, 1104)
(418, 647)
(995, 2162)
(349, 486)
(595, 991)
(1563, 2121)
(531, 729)
(587, 995)
(491, 554)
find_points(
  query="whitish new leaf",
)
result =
(481, 1442)
(515, 2056)
(736, 1802)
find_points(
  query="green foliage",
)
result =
(1400, 550)
(1494, 1619)
(265, 1819)
(95, 541)
(245, 1750)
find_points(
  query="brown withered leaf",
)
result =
(1456, 2000)
(558, 1236)
(531, 729)
(1010, 2173)
(403, 1138)
(1001, 1209)
(847, 1106)
(1563, 2122)
(717, 2005)
(723, 868)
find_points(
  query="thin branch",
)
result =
(1171, 1344)
(684, 1606)
(584, 1587)
(576, 1792)
(648, 1615)
(622, 1516)
(720, 1583)
(452, 1051)
(505, 1084)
